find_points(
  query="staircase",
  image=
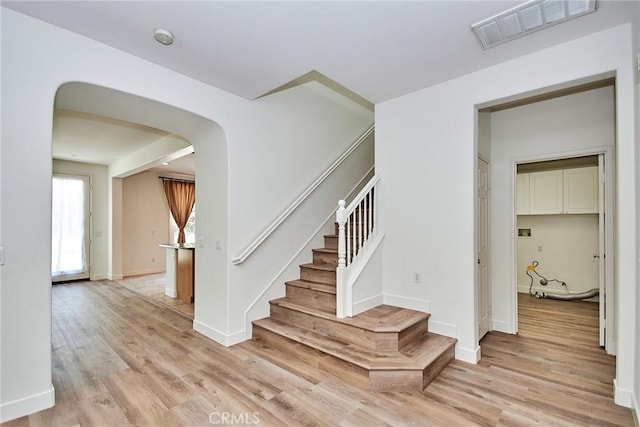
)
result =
(383, 349)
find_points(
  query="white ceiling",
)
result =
(377, 49)
(98, 139)
(89, 138)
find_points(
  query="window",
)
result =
(189, 228)
(70, 227)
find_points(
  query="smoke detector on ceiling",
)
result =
(163, 36)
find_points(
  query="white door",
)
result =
(70, 227)
(482, 227)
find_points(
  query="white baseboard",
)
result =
(144, 271)
(636, 410)
(623, 397)
(226, 340)
(27, 405)
(441, 328)
(115, 277)
(501, 326)
(468, 355)
(95, 277)
(171, 293)
(366, 304)
(410, 303)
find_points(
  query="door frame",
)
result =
(86, 179)
(609, 232)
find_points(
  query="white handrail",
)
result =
(239, 259)
(356, 226)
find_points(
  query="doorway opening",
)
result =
(561, 241)
(70, 227)
(567, 125)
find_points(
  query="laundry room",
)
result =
(558, 228)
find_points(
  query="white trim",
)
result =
(410, 303)
(226, 340)
(365, 190)
(96, 277)
(239, 259)
(27, 405)
(115, 276)
(501, 326)
(367, 303)
(610, 186)
(441, 328)
(143, 272)
(468, 355)
(623, 397)
(171, 293)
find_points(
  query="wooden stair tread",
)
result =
(428, 348)
(319, 266)
(326, 250)
(318, 287)
(384, 318)
(430, 344)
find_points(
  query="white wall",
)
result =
(99, 215)
(281, 142)
(564, 246)
(636, 49)
(145, 224)
(426, 155)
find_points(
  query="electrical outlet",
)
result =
(417, 277)
(219, 245)
(1, 256)
(539, 248)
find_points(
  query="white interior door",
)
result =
(605, 255)
(482, 227)
(70, 217)
(601, 251)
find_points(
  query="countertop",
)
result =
(178, 246)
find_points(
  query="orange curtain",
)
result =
(181, 196)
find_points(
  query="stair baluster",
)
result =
(356, 226)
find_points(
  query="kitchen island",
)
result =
(180, 271)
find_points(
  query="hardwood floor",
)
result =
(151, 286)
(119, 360)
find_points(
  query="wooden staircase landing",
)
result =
(383, 349)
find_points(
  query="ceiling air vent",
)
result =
(531, 16)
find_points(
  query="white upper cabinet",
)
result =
(566, 191)
(581, 190)
(545, 192)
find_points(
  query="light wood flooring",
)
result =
(119, 360)
(151, 287)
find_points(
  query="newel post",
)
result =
(341, 219)
(341, 272)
